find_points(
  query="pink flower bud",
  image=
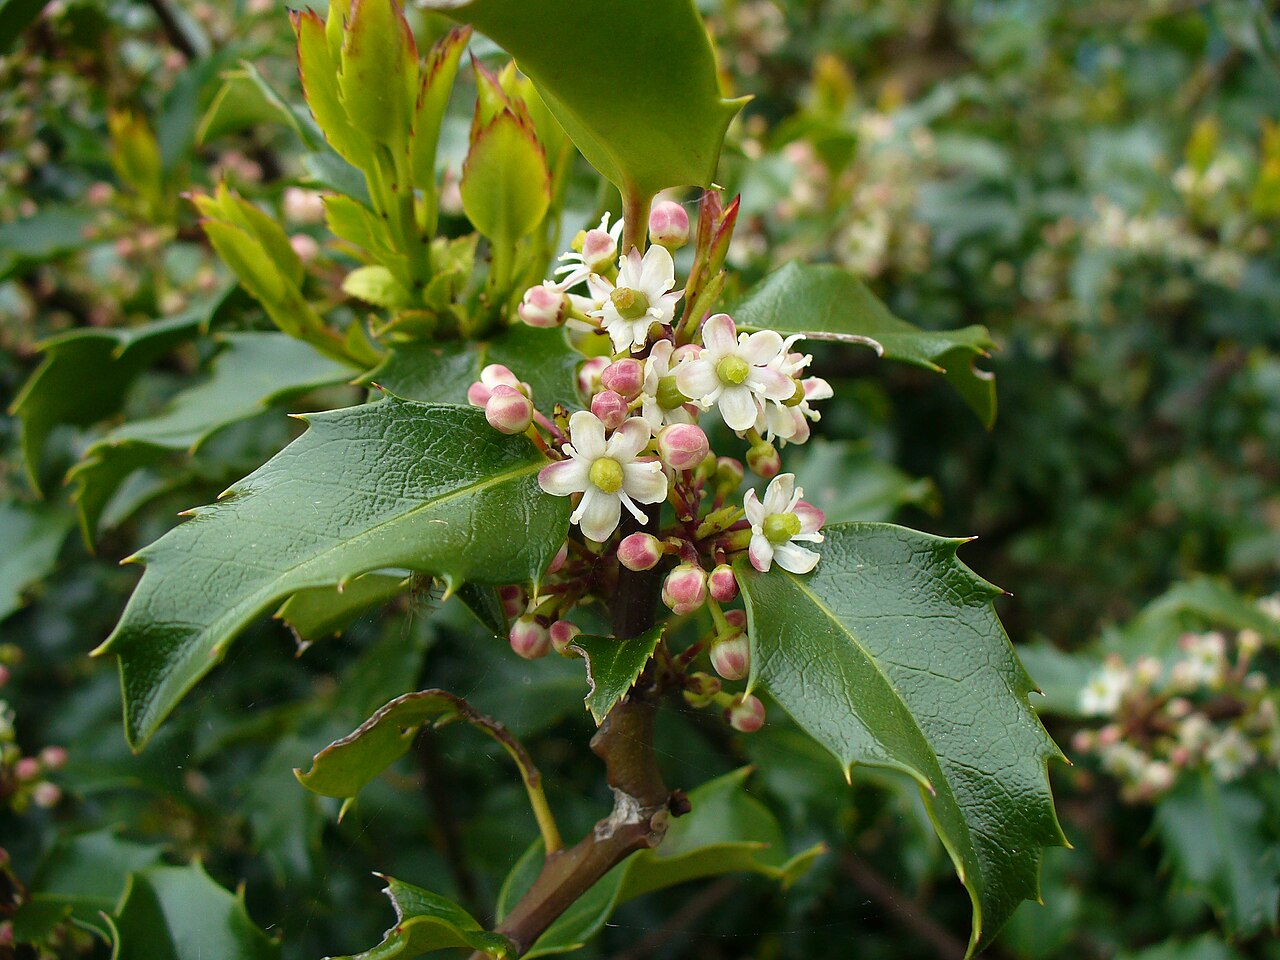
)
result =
(304, 246)
(736, 618)
(732, 657)
(589, 374)
(508, 410)
(729, 472)
(559, 560)
(682, 446)
(625, 377)
(562, 634)
(610, 408)
(478, 394)
(529, 638)
(4, 674)
(685, 589)
(640, 551)
(700, 689)
(543, 306)
(598, 249)
(99, 194)
(27, 768)
(46, 795)
(513, 601)
(764, 461)
(746, 715)
(722, 584)
(53, 758)
(669, 225)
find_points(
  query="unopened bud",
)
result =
(529, 638)
(599, 250)
(624, 377)
(669, 225)
(732, 657)
(99, 194)
(685, 589)
(4, 674)
(682, 446)
(46, 795)
(700, 689)
(640, 551)
(559, 560)
(305, 247)
(729, 473)
(589, 375)
(53, 758)
(492, 376)
(303, 206)
(27, 768)
(512, 599)
(610, 408)
(764, 461)
(722, 584)
(746, 715)
(543, 306)
(736, 618)
(562, 634)
(508, 410)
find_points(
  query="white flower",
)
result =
(1101, 696)
(735, 372)
(1231, 755)
(606, 473)
(780, 520)
(642, 296)
(658, 367)
(599, 246)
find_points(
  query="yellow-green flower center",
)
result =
(732, 370)
(796, 398)
(669, 395)
(606, 473)
(779, 527)
(630, 304)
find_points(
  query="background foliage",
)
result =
(1096, 182)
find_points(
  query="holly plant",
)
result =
(557, 440)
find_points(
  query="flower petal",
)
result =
(771, 383)
(777, 498)
(628, 440)
(657, 272)
(811, 518)
(760, 553)
(563, 478)
(761, 347)
(737, 407)
(587, 433)
(697, 378)
(598, 514)
(645, 482)
(755, 510)
(720, 335)
(795, 559)
(815, 388)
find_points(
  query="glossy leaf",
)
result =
(379, 77)
(613, 665)
(505, 186)
(180, 913)
(318, 70)
(658, 52)
(32, 537)
(324, 611)
(890, 654)
(438, 73)
(426, 922)
(826, 302)
(427, 487)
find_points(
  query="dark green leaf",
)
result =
(890, 654)
(848, 482)
(50, 233)
(613, 665)
(325, 611)
(427, 487)
(426, 922)
(658, 52)
(32, 538)
(1207, 947)
(826, 302)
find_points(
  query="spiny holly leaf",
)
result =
(427, 487)
(613, 665)
(346, 766)
(180, 913)
(890, 654)
(1223, 845)
(505, 186)
(426, 922)
(727, 831)
(826, 302)
(325, 611)
(254, 371)
(658, 52)
(32, 537)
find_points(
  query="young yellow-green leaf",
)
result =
(633, 84)
(890, 654)
(505, 186)
(438, 74)
(379, 77)
(318, 70)
(826, 302)
(346, 766)
(374, 284)
(426, 922)
(613, 665)
(135, 153)
(392, 484)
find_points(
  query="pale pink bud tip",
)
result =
(543, 306)
(589, 375)
(624, 377)
(685, 589)
(764, 461)
(682, 446)
(512, 598)
(508, 410)
(732, 658)
(563, 633)
(478, 394)
(669, 225)
(46, 795)
(4, 674)
(610, 408)
(746, 715)
(598, 249)
(722, 584)
(53, 758)
(736, 618)
(640, 551)
(530, 639)
(27, 768)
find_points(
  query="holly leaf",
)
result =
(658, 52)
(327, 611)
(47, 234)
(426, 921)
(505, 186)
(32, 536)
(180, 913)
(826, 302)
(253, 372)
(391, 484)
(1221, 842)
(613, 665)
(348, 765)
(890, 654)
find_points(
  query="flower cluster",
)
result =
(24, 779)
(1209, 707)
(639, 444)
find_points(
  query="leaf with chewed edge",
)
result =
(426, 922)
(613, 665)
